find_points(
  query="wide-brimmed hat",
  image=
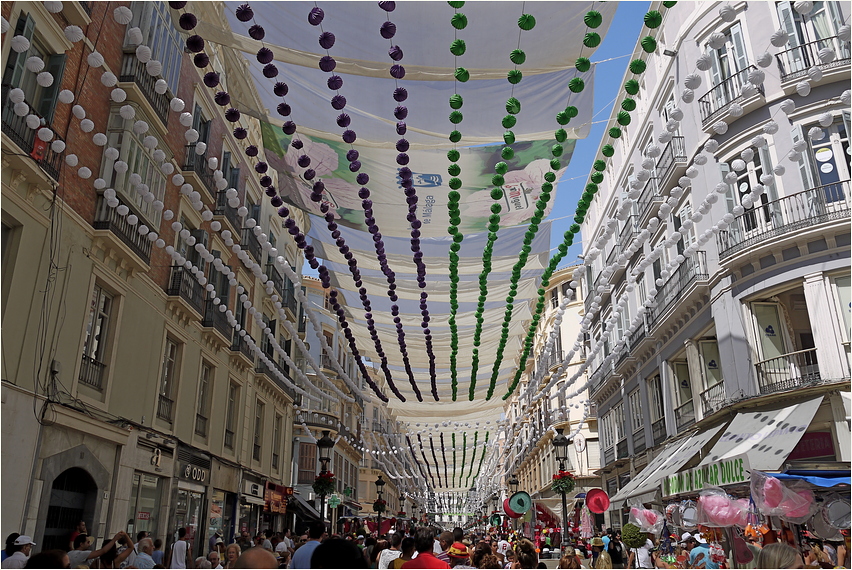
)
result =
(597, 501)
(597, 541)
(458, 550)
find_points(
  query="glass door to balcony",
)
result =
(772, 346)
(713, 394)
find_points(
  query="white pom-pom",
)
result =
(120, 166)
(206, 215)
(135, 179)
(687, 96)
(159, 155)
(764, 59)
(134, 36)
(122, 15)
(747, 154)
(779, 38)
(676, 114)
(127, 112)
(826, 119)
(736, 110)
(4, 25)
(21, 109)
(815, 74)
(748, 201)
(109, 79)
(177, 105)
(34, 64)
(168, 215)
(58, 146)
(161, 86)
(720, 127)
(816, 134)
(143, 53)
(731, 178)
(109, 193)
(118, 95)
(95, 59)
(717, 40)
(758, 142)
(99, 183)
(800, 146)
(738, 165)
(704, 62)
(44, 79)
(85, 173)
(132, 219)
(212, 163)
(803, 7)
(20, 44)
(653, 150)
(803, 88)
(122, 210)
(787, 106)
(191, 135)
(779, 170)
(178, 179)
(692, 172)
(186, 119)
(242, 211)
(99, 139)
(234, 202)
(54, 7)
(140, 127)
(692, 81)
(79, 111)
(748, 90)
(45, 134)
(700, 159)
(844, 32)
(154, 68)
(66, 96)
(74, 34)
(71, 160)
(17, 95)
(727, 13)
(167, 168)
(756, 76)
(149, 142)
(846, 97)
(827, 55)
(665, 137)
(200, 148)
(87, 126)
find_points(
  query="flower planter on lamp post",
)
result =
(324, 483)
(562, 480)
(380, 504)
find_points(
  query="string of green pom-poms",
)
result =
(454, 459)
(464, 455)
(481, 457)
(472, 458)
(652, 20)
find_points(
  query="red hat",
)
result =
(597, 500)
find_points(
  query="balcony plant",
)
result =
(380, 505)
(324, 483)
(400, 514)
(563, 482)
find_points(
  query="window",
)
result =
(607, 436)
(204, 390)
(618, 428)
(666, 114)
(276, 440)
(687, 237)
(231, 415)
(307, 463)
(189, 251)
(158, 33)
(655, 398)
(258, 429)
(635, 411)
(823, 163)
(730, 59)
(200, 124)
(683, 382)
(819, 27)
(95, 345)
(168, 379)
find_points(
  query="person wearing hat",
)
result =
(699, 553)
(601, 558)
(22, 546)
(459, 556)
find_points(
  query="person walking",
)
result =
(144, 557)
(22, 546)
(389, 555)
(302, 557)
(424, 541)
(181, 557)
(616, 550)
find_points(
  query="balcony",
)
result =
(693, 269)
(327, 362)
(229, 439)
(200, 425)
(321, 419)
(649, 200)
(269, 373)
(636, 337)
(92, 373)
(215, 319)
(639, 441)
(227, 213)
(609, 455)
(249, 242)
(196, 165)
(713, 398)
(134, 71)
(16, 129)
(795, 62)
(788, 371)
(673, 155)
(658, 431)
(714, 103)
(165, 408)
(684, 415)
(628, 233)
(276, 278)
(621, 450)
(783, 216)
(107, 218)
(241, 346)
(184, 285)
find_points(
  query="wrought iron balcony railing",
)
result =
(715, 101)
(658, 431)
(684, 415)
(788, 371)
(639, 441)
(694, 268)
(165, 408)
(795, 62)
(713, 398)
(214, 318)
(239, 344)
(276, 278)
(673, 154)
(107, 218)
(198, 164)
(783, 216)
(134, 71)
(92, 373)
(230, 214)
(250, 242)
(183, 284)
(15, 127)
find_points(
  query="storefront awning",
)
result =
(767, 437)
(546, 515)
(819, 478)
(307, 510)
(253, 500)
(644, 487)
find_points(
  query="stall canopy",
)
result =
(818, 478)
(305, 508)
(767, 437)
(545, 515)
(645, 486)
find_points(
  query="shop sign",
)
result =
(143, 516)
(724, 472)
(193, 473)
(253, 489)
(813, 444)
(276, 498)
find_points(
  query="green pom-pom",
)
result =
(494, 228)
(669, 3)
(593, 19)
(456, 117)
(454, 169)
(556, 150)
(526, 22)
(596, 177)
(550, 176)
(572, 111)
(562, 118)
(614, 132)
(623, 118)
(579, 219)
(637, 66)
(513, 106)
(607, 150)
(459, 21)
(560, 135)
(454, 196)
(518, 56)
(461, 74)
(458, 238)
(455, 136)
(456, 101)
(509, 121)
(574, 229)
(628, 104)
(653, 19)
(496, 208)
(507, 153)
(599, 165)
(631, 86)
(555, 164)
(509, 137)
(453, 155)
(496, 194)
(494, 219)
(458, 47)
(648, 44)
(455, 183)
(497, 180)
(592, 40)
(547, 187)
(456, 4)
(515, 76)
(455, 220)
(452, 230)
(582, 64)
(501, 168)
(455, 247)
(576, 85)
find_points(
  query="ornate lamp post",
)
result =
(380, 484)
(560, 444)
(513, 488)
(324, 445)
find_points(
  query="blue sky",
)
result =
(618, 43)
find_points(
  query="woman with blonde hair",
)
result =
(232, 553)
(779, 555)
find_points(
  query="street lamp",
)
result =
(560, 444)
(513, 484)
(380, 484)
(324, 445)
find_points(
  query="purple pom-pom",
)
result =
(195, 43)
(257, 32)
(326, 40)
(222, 98)
(187, 21)
(289, 223)
(338, 102)
(270, 71)
(261, 167)
(402, 145)
(318, 186)
(276, 201)
(362, 178)
(416, 224)
(309, 174)
(397, 71)
(251, 150)
(232, 115)
(240, 133)
(211, 79)
(405, 172)
(280, 89)
(289, 127)
(400, 112)
(388, 30)
(266, 182)
(349, 136)
(400, 94)
(201, 60)
(410, 200)
(244, 13)
(176, 5)
(366, 203)
(335, 82)
(270, 191)
(284, 109)
(304, 161)
(327, 63)
(364, 193)
(316, 196)
(297, 144)
(343, 120)
(395, 53)
(352, 154)
(284, 211)
(401, 128)
(409, 191)
(387, 6)
(315, 16)
(265, 55)
(355, 166)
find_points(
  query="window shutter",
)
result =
(806, 161)
(200, 237)
(730, 195)
(47, 103)
(739, 46)
(836, 16)
(15, 65)
(234, 178)
(226, 165)
(788, 24)
(255, 212)
(846, 121)
(197, 119)
(715, 67)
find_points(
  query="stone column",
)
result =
(733, 340)
(825, 327)
(696, 376)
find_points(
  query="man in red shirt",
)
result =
(424, 540)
